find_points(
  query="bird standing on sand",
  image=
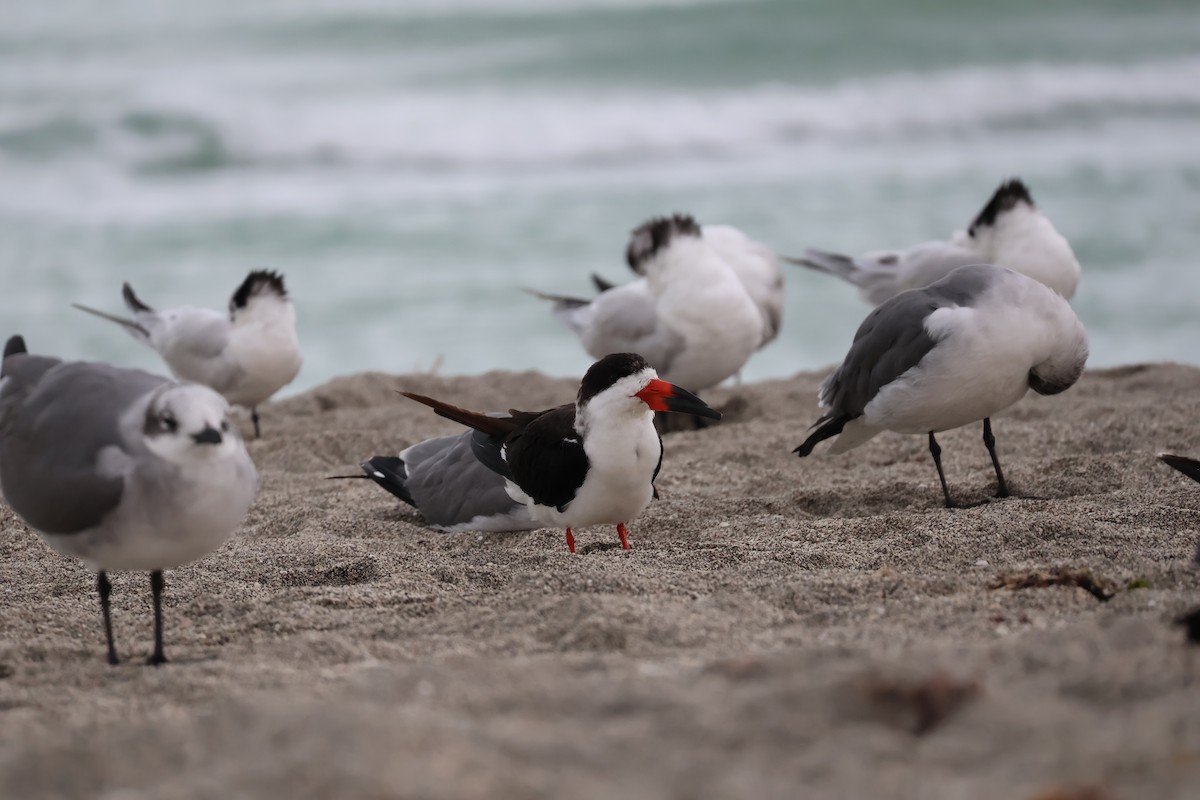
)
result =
(120, 468)
(591, 463)
(691, 316)
(956, 352)
(246, 355)
(1010, 231)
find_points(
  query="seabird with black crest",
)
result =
(956, 352)
(1010, 231)
(589, 463)
(119, 468)
(690, 315)
(247, 354)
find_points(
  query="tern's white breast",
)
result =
(621, 462)
(268, 358)
(721, 328)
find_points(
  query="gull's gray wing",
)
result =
(623, 319)
(51, 437)
(193, 342)
(882, 274)
(928, 263)
(451, 488)
(891, 341)
(192, 332)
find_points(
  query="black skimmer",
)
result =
(589, 463)
(247, 354)
(119, 468)
(691, 315)
(1010, 231)
(956, 352)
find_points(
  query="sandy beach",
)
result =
(818, 628)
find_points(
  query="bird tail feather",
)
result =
(134, 329)
(561, 301)
(492, 426)
(390, 473)
(825, 428)
(132, 302)
(831, 263)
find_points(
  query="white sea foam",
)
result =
(407, 165)
(173, 113)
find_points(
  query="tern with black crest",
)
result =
(589, 463)
(1010, 231)
(246, 354)
(690, 315)
(119, 468)
(956, 352)
(755, 265)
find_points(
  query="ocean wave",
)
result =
(77, 19)
(215, 128)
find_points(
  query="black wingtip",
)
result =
(1188, 466)
(258, 282)
(15, 346)
(1190, 621)
(131, 299)
(601, 284)
(1007, 196)
(389, 472)
(826, 428)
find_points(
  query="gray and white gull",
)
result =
(955, 352)
(1010, 231)
(119, 468)
(246, 354)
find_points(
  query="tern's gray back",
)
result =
(53, 424)
(626, 320)
(892, 339)
(449, 485)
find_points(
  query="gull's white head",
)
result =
(185, 423)
(1066, 351)
(261, 297)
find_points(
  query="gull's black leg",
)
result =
(104, 589)
(990, 441)
(254, 419)
(936, 451)
(156, 586)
